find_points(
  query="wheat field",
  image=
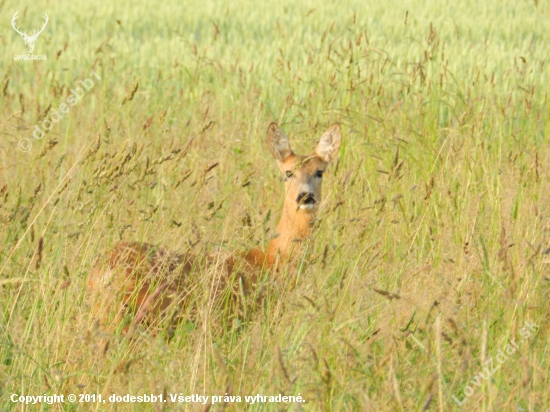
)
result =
(426, 285)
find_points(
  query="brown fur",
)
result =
(146, 280)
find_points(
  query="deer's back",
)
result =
(132, 272)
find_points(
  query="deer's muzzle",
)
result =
(306, 200)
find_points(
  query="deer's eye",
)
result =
(319, 173)
(289, 174)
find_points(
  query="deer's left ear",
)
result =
(277, 143)
(329, 144)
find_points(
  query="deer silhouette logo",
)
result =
(29, 39)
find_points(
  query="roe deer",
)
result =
(146, 280)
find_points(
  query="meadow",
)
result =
(426, 285)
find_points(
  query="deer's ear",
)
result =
(277, 143)
(329, 143)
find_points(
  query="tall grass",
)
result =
(432, 246)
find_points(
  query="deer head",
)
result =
(303, 174)
(29, 40)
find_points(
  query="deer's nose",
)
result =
(306, 198)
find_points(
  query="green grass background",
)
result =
(432, 247)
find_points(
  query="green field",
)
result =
(432, 249)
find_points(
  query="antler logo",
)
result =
(29, 40)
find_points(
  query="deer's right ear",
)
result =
(330, 142)
(277, 143)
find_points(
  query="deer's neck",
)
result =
(293, 228)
